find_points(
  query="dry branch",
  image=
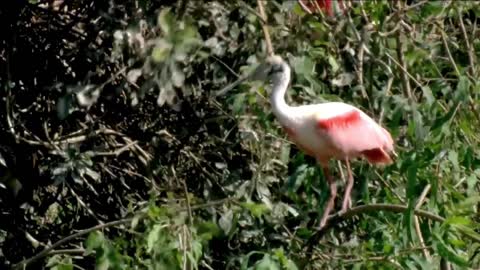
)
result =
(268, 40)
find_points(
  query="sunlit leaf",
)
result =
(166, 21)
(153, 237)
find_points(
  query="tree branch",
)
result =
(48, 250)
(417, 222)
(363, 209)
(268, 41)
(404, 70)
(470, 50)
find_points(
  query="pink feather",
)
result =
(353, 133)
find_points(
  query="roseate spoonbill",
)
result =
(330, 7)
(332, 130)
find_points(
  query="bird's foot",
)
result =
(323, 222)
(344, 209)
(347, 204)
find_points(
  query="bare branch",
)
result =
(48, 250)
(268, 41)
(416, 221)
(471, 54)
(369, 208)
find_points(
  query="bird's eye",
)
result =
(275, 69)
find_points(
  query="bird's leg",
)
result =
(331, 199)
(348, 189)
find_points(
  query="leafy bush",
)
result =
(116, 153)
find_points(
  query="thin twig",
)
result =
(268, 41)
(373, 259)
(401, 59)
(471, 55)
(182, 8)
(304, 7)
(404, 70)
(187, 198)
(386, 207)
(457, 71)
(447, 49)
(225, 65)
(46, 251)
(416, 221)
(253, 11)
(362, 39)
(403, 10)
(68, 251)
(84, 205)
(115, 152)
(384, 182)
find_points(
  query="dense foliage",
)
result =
(116, 153)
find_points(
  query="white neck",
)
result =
(277, 99)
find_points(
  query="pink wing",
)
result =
(355, 134)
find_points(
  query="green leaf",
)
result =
(443, 119)
(420, 128)
(103, 264)
(207, 230)
(267, 264)
(303, 65)
(453, 158)
(412, 179)
(64, 266)
(470, 201)
(239, 103)
(432, 8)
(245, 260)
(285, 262)
(94, 241)
(333, 64)
(225, 221)
(462, 91)
(427, 94)
(256, 209)
(53, 260)
(297, 10)
(197, 250)
(166, 21)
(448, 253)
(161, 51)
(135, 220)
(458, 221)
(153, 237)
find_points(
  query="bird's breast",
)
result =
(308, 140)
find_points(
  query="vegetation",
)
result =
(116, 153)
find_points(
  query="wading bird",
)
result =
(329, 7)
(332, 130)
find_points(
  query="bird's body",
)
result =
(332, 130)
(337, 130)
(328, 130)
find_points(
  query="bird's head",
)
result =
(273, 65)
(272, 68)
